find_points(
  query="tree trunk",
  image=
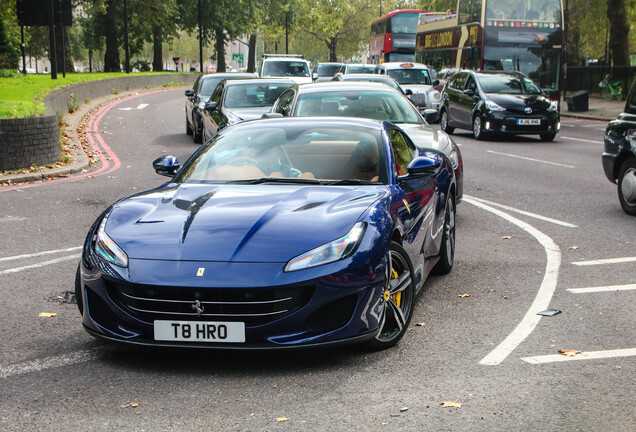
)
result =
(619, 32)
(111, 56)
(251, 60)
(332, 49)
(63, 47)
(219, 44)
(157, 56)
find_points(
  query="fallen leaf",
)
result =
(506, 237)
(281, 419)
(569, 353)
(47, 314)
(420, 324)
(131, 405)
(451, 405)
(464, 295)
(384, 423)
(492, 290)
(573, 248)
(111, 177)
(504, 297)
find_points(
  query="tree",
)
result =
(331, 22)
(619, 32)
(9, 57)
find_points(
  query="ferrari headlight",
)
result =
(553, 106)
(107, 249)
(338, 249)
(493, 106)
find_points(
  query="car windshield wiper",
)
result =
(350, 182)
(289, 180)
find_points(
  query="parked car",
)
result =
(370, 78)
(356, 68)
(417, 78)
(198, 95)
(240, 100)
(277, 233)
(292, 66)
(619, 158)
(374, 101)
(497, 102)
(325, 71)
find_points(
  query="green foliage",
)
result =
(141, 66)
(437, 5)
(9, 73)
(72, 103)
(9, 57)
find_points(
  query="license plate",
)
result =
(199, 331)
(529, 122)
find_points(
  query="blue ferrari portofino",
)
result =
(280, 233)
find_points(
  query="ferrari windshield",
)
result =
(290, 152)
(507, 84)
(379, 105)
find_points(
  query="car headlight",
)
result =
(553, 106)
(336, 250)
(107, 249)
(493, 106)
(436, 95)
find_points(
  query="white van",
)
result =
(292, 66)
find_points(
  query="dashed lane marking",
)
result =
(542, 300)
(605, 261)
(50, 362)
(582, 140)
(39, 254)
(585, 355)
(523, 212)
(530, 159)
(608, 288)
(42, 264)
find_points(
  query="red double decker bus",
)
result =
(393, 36)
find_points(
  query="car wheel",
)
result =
(443, 122)
(627, 186)
(478, 131)
(188, 127)
(398, 298)
(447, 249)
(78, 290)
(547, 136)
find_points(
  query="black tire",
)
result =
(447, 249)
(443, 122)
(478, 129)
(78, 290)
(398, 299)
(188, 127)
(548, 136)
(627, 186)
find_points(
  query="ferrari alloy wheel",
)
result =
(627, 186)
(397, 298)
(447, 249)
(443, 122)
(478, 131)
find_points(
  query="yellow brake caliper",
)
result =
(397, 297)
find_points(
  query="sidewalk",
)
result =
(599, 109)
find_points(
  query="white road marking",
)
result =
(603, 289)
(543, 297)
(42, 264)
(12, 219)
(139, 107)
(605, 261)
(529, 159)
(585, 355)
(583, 140)
(50, 362)
(38, 254)
(523, 212)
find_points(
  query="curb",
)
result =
(73, 121)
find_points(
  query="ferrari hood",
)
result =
(236, 223)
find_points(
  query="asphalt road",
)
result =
(535, 218)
